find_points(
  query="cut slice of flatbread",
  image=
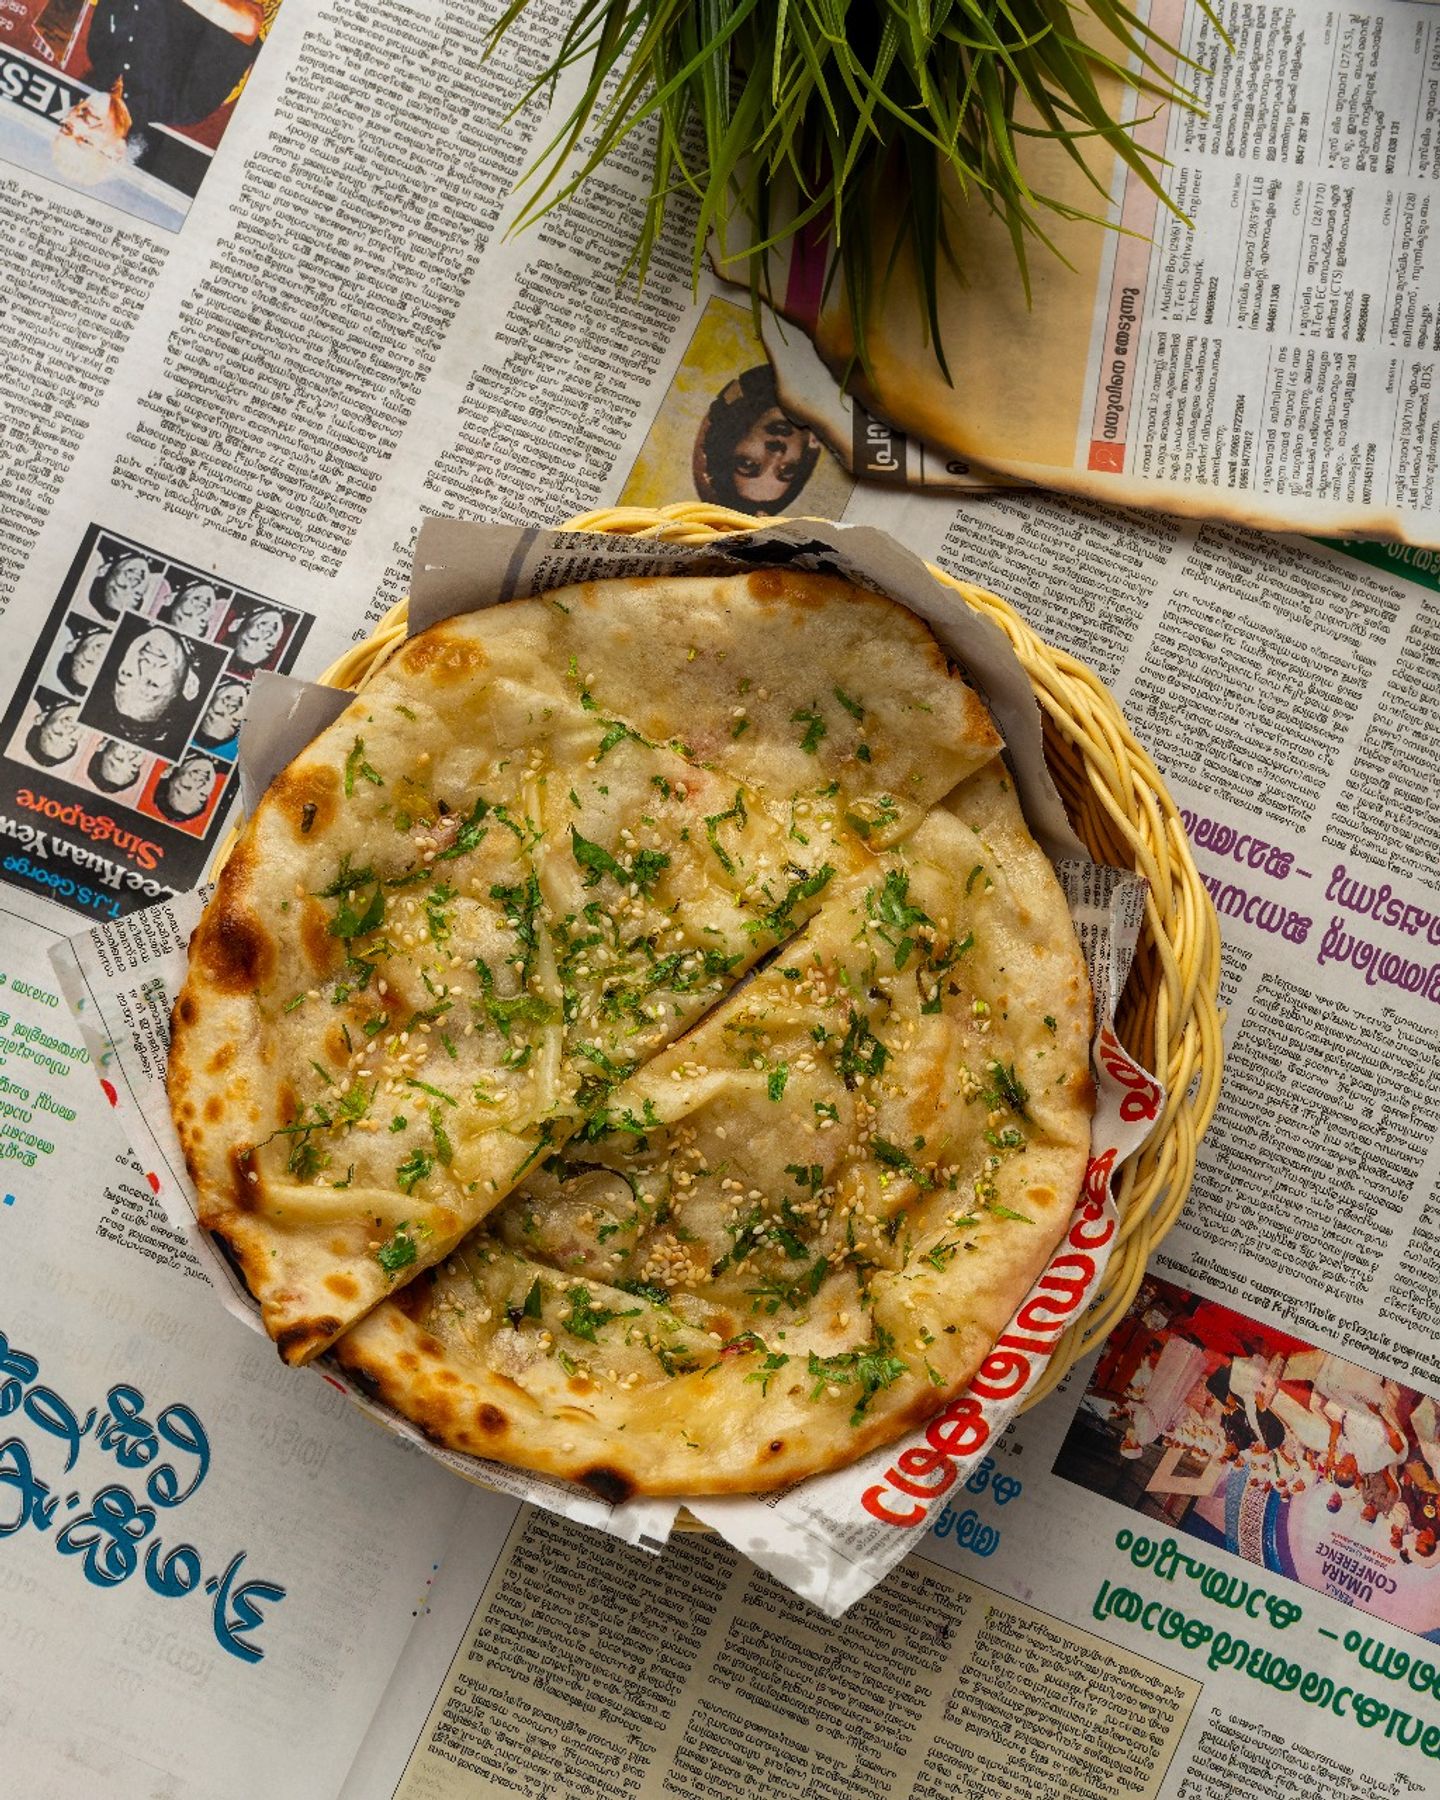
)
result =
(797, 1231)
(800, 685)
(479, 900)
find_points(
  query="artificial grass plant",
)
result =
(838, 115)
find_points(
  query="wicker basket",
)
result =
(1168, 1016)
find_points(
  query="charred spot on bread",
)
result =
(608, 1483)
(298, 1343)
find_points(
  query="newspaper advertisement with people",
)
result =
(1206, 1567)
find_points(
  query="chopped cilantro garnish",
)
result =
(355, 764)
(646, 1290)
(736, 811)
(443, 1147)
(627, 1122)
(873, 1368)
(547, 1135)
(304, 1160)
(587, 699)
(890, 908)
(1049, 1022)
(742, 1231)
(401, 1249)
(804, 887)
(471, 833)
(410, 1173)
(354, 1104)
(739, 728)
(775, 1360)
(974, 876)
(607, 1065)
(779, 1075)
(1008, 1089)
(644, 872)
(527, 1007)
(825, 1109)
(352, 922)
(345, 880)
(584, 1320)
(425, 1088)
(853, 707)
(647, 866)
(594, 859)
(521, 904)
(861, 1053)
(788, 1241)
(895, 1158)
(616, 733)
(399, 1122)
(815, 727)
(436, 917)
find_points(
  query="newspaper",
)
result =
(1142, 1594)
(1263, 351)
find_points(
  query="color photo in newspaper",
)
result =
(117, 751)
(1255, 1442)
(126, 100)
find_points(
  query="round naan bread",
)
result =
(545, 840)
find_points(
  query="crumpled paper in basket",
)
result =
(832, 1537)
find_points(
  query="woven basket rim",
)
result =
(1121, 808)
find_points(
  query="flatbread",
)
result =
(797, 1231)
(541, 844)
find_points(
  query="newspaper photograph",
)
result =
(125, 100)
(722, 424)
(1294, 1458)
(131, 705)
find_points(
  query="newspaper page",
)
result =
(266, 401)
(1206, 1569)
(195, 1554)
(1263, 351)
